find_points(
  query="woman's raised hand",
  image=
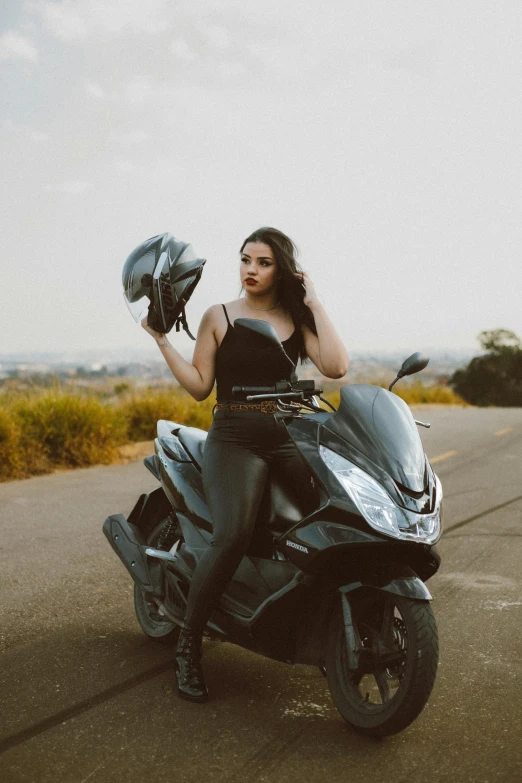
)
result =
(310, 297)
(150, 330)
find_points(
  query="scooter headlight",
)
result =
(378, 508)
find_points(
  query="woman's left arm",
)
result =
(325, 349)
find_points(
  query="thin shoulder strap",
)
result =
(226, 314)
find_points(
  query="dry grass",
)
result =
(414, 394)
(142, 409)
(11, 456)
(418, 394)
(56, 429)
(45, 429)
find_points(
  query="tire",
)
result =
(382, 698)
(162, 631)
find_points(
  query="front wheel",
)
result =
(392, 668)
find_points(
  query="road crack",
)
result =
(77, 709)
(468, 521)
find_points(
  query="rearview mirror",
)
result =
(414, 363)
(262, 337)
(251, 328)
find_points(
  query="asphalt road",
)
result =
(86, 697)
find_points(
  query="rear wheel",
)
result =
(394, 667)
(148, 612)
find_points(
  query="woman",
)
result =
(244, 442)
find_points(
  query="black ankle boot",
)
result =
(189, 673)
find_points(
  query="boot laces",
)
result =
(190, 649)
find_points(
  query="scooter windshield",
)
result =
(379, 424)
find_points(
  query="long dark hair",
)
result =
(291, 290)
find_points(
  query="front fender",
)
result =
(407, 585)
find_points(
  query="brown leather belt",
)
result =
(266, 406)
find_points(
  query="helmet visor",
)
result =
(138, 309)
(137, 279)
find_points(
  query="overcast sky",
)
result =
(383, 136)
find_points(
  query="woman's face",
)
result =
(258, 264)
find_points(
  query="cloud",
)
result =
(139, 90)
(134, 137)
(181, 49)
(94, 89)
(14, 46)
(37, 135)
(419, 60)
(72, 188)
(125, 166)
(30, 133)
(217, 36)
(63, 20)
(71, 20)
(145, 91)
(230, 69)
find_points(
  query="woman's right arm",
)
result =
(197, 377)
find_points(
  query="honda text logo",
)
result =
(297, 546)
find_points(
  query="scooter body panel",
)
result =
(125, 540)
(319, 568)
(299, 558)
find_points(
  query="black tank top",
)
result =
(236, 366)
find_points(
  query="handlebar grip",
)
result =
(253, 389)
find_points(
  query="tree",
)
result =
(495, 377)
(498, 340)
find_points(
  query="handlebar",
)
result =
(236, 390)
(280, 389)
(291, 396)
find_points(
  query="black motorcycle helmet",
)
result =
(158, 279)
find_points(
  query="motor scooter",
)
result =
(334, 577)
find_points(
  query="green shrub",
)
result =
(495, 378)
(121, 388)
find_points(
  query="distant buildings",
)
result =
(41, 368)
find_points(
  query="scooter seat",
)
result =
(193, 441)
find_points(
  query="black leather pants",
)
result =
(241, 449)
